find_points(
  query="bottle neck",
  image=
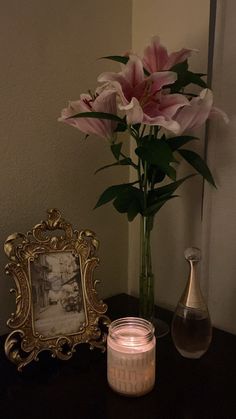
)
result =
(192, 296)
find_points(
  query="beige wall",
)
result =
(182, 23)
(220, 206)
(179, 225)
(49, 52)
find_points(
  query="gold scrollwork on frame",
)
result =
(57, 305)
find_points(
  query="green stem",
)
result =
(146, 280)
(156, 129)
(140, 174)
(153, 179)
(133, 133)
(144, 127)
(150, 133)
(145, 174)
(145, 185)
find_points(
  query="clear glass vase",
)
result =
(191, 326)
(146, 278)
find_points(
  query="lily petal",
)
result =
(134, 112)
(178, 57)
(155, 56)
(105, 102)
(166, 123)
(133, 71)
(169, 104)
(195, 115)
(163, 78)
(131, 76)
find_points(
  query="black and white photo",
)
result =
(58, 307)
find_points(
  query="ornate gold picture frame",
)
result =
(57, 305)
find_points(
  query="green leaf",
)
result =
(136, 127)
(122, 201)
(201, 74)
(98, 115)
(180, 67)
(167, 189)
(124, 162)
(111, 193)
(177, 142)
(146, 72)
(133, 210)
(116, 149)
(158, 153)
(118, 58)
(153, 209)
(155, 175)
(198, 163)
(121, 127)
(130, 201)
(195, 78)
(185, 77)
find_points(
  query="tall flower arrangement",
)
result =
(148, 100)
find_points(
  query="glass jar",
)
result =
(131, 346)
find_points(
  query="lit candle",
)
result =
(131, 356)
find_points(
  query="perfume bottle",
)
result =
(191, 328)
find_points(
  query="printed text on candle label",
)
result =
(131, 373)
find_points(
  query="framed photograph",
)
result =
(57, 298)
(57, 305)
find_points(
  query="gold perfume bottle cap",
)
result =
(192, 296)
(192, 253)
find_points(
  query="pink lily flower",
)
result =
(156, 57)
(200, 109)
(142, 98)
(104, 102)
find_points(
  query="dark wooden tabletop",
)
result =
(184, 389)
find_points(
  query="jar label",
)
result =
(131, 373)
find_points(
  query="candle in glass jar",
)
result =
(131, 356)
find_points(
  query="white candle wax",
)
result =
(131, 357)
